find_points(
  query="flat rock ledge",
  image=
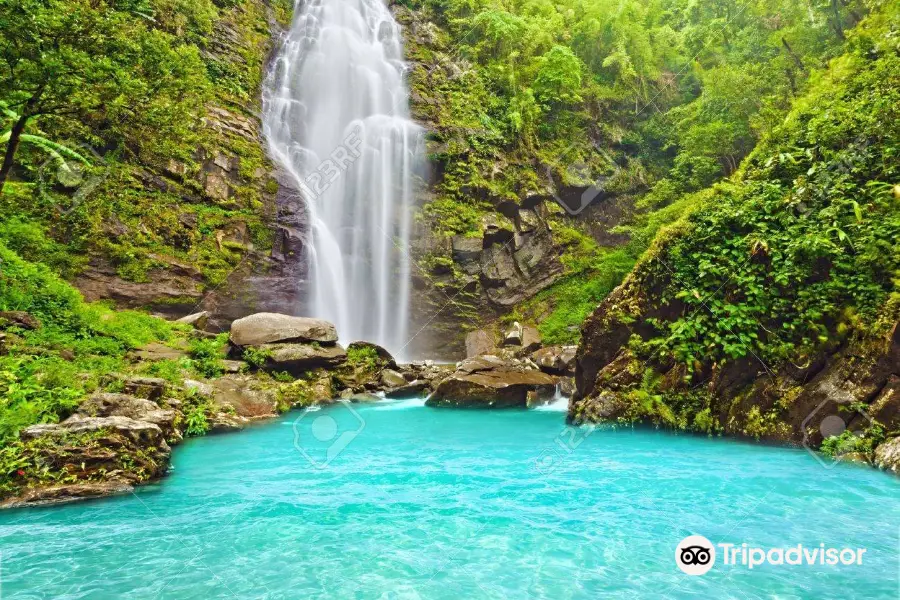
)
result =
(62, 494)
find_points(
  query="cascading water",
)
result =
(337, 119)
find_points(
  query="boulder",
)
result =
(197, 320)
(270, 328)
(235, 366)
(364, 397)
(414, 388)
(539, 397)
(513, 335)
(556, 360)
(887, 455)
(478, 342)
(226, 422)
(531, 339)
(245, 395)
(490, 382)
(392, 379)
(300, 358)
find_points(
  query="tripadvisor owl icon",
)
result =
(695, 555)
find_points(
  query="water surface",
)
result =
(442, 504)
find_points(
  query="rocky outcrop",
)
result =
(490, 382)
(848, 386)
(124, 405)
(61, 494)
(478, 342)
(171, 289)
(887, 455)
(556, 360)
(300, 358)
(271, 328)
(18, 318)
(97, 456)
(242, 396)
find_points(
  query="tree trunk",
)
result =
(14, 137)
(793, 55)
(838, 24)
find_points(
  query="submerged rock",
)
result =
(490, 382)
(270, 328)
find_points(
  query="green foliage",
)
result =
(72, 58)
(851, 442)
(207, 355)
(44, 373)
(682, 91)
(363, 357)
(197, 410)
(805, 249)
(256, 357)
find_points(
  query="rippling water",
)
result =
(413, 502)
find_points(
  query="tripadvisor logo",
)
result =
(695, 555)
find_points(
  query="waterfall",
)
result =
(336, 118)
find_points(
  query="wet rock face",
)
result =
(491, 382)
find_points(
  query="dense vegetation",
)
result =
(105, 129)
(794, 258)
(646, 100)
(760, 138)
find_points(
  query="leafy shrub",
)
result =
(207, 355)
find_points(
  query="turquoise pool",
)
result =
(398, 501)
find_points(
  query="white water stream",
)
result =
(336, 117)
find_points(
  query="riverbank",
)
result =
(196, 383)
